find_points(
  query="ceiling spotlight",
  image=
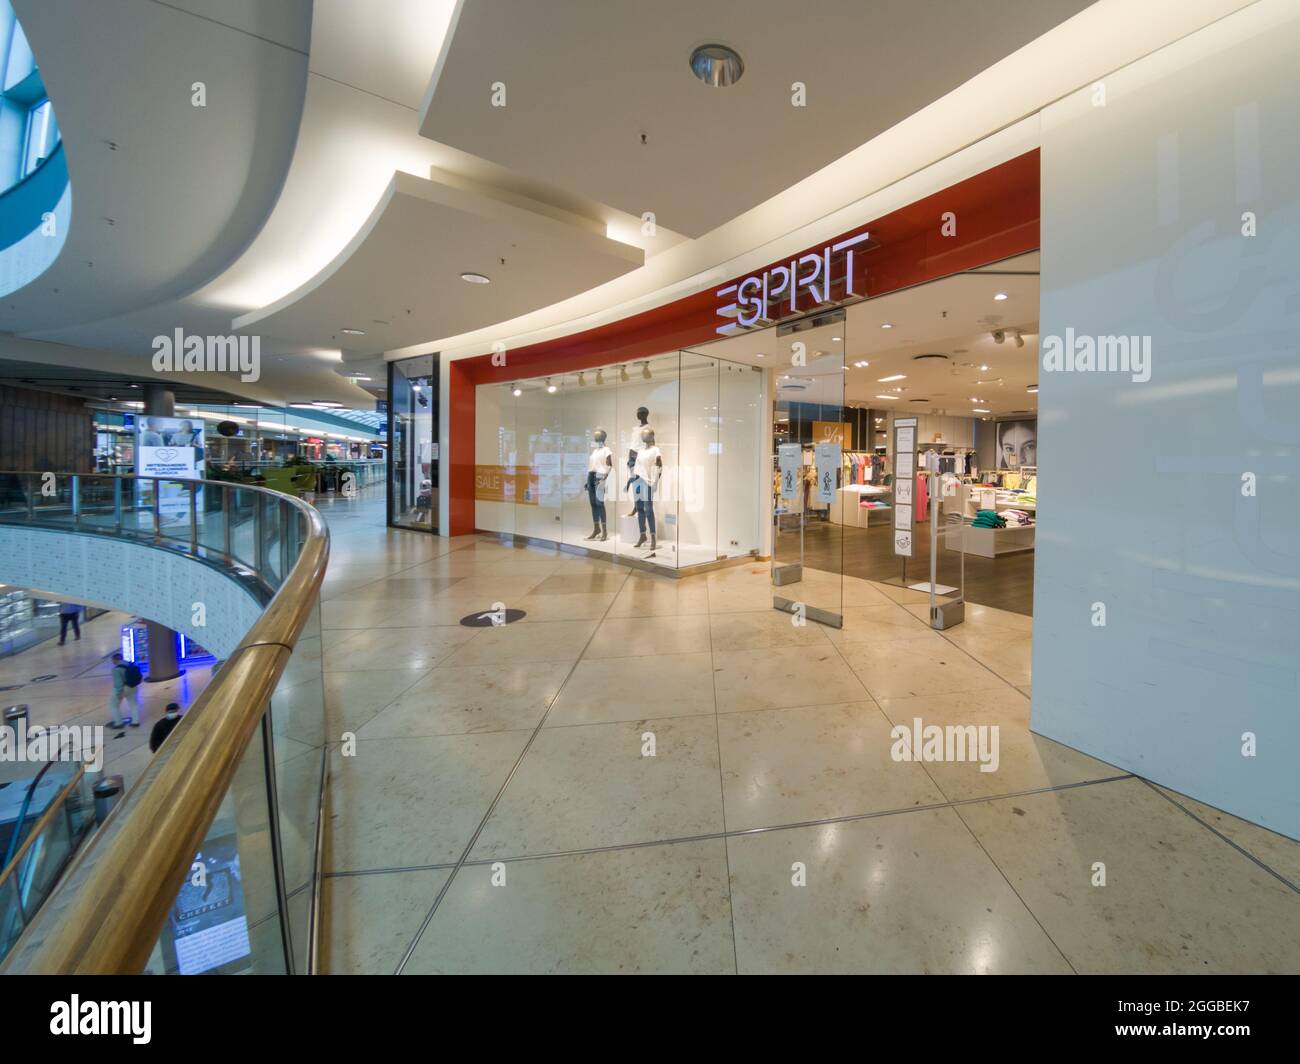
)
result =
(761, 355)
(886, 397)
(894, 377)
(887, 325)
(717, 65)
(476, 278)
(645, 370)
(836, 339)
(353, 332)
(516, 391)
(550, 387)
(582, 380)
(978, 410)
(1000, 296)
(622, 374)
(600, 376)
(984, 369)
(1020, 340)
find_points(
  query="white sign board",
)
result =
(827, 458)
(789, 460)
(904, 479)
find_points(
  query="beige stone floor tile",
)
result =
(782, 677)
(1277, 851)
(352, 698)
(763, 629)
(396, 649)
(457, 700)
(918, 667)
(623, 637)
(885, 622)
(414, 801)
(907, 893)
(578, 607)
(369, 920)
(1177, 898)
(589, 786)
(514, 643)
(784, 766)
(656, 909)
(635, 688)
(1024, 761)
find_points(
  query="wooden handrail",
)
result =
(107, 911)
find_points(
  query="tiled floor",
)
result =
(77, 694)
(650, 775)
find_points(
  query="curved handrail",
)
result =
(57, 805)
(106, 913)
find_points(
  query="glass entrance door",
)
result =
(810, 434)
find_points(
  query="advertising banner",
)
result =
(170, 447)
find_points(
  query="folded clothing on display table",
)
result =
(1017, 518)
(988, 519)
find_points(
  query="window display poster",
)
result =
(789, 458)
(840, 432)
(906, 438)
(207, 928)
(827, 459)
(1017, 444)
(170, 447)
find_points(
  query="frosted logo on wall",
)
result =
(1098, 354)
(804, 283)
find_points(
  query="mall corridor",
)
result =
(499, 815)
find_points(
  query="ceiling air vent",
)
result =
(931, 355)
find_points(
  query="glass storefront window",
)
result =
(413, 443)
(626, 459)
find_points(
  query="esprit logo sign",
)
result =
(804, 283)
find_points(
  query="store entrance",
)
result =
(810, 437)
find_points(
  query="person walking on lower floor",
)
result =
(69, 613)
(126, 678)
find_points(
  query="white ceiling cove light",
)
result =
(886, 397)
(476, 278)
(887, 325)
(717, 65)
(979, 410)
(1000, 296)
(353, 332)
(895, 377)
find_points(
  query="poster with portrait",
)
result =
(1017, 443)
(170, 447)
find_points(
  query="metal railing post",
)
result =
(194, 519)
(157, 515)
(117, 503)
(285, 560)
(76, 499)
(259, 544)
(226, 494)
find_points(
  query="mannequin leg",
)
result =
(638, 488)
(595, 506)
(650, 518)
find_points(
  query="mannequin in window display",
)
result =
(642, 416)
(600, 463)
(646, 471)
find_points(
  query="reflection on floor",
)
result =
(78, 689)
(501, 814)
(1006, 583)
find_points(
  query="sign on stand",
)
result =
(827, 459)
(904, 482)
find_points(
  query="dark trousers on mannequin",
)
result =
(596, 495)
(645, 505)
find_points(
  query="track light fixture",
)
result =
(622, 374)
(645, 370)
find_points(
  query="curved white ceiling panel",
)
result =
(599, 97)
(167, 193)
(399, 280)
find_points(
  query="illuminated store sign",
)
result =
(804, 283)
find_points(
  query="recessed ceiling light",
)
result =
(353, 332)
(984, 369)
(476, 278)
(325, 402)
(1000, 296)
(760, 355)
(717, 65)
(836, 339)
(516, 391)
(886, 397)
(549, 386)
(887, 325)
(894, 377)
(980, 411)
(1032, 388)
